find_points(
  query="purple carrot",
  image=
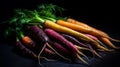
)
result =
(38, 34)
(73, 40)
(53, 34)
(24, 49)
(58, 47)
(48, 51)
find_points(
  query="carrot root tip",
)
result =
(82, 59)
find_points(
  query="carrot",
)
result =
(64, 51)
(96, 39)
(24, 49)
(38, 34)
(28, 42)
(73, 40)
(108, 42)
(60, 48)
(41, 36)
(48, 51)
(29, 52)
(91, 30)
(73, 26)
(53, 34)
(89, 49)
(94, 52)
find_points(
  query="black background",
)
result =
(101, 15)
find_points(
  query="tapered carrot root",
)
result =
(93, 51)
(47, 58)
(81, 59)
(89, 49)
(39, 55)
(82, 48)
(91, 30)
(96, 39)
(82, 54)
(109, 43)
(58, 53)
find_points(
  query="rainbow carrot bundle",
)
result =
(40, 32)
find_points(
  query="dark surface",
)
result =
(101, 15)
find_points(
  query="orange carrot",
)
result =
(28, 42)
(81, 36)
(74, 26)
(108, 42)
(93, 30)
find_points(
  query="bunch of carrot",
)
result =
(41, 34)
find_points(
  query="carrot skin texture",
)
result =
(60, 48)
(73, 26)
(38, 34)
(48, 51)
